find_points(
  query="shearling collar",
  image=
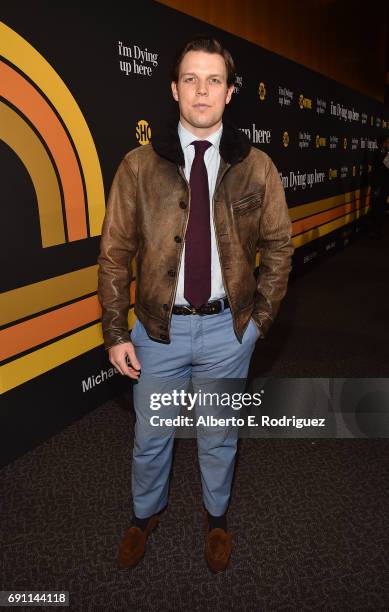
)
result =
(234, 144)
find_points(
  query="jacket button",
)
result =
(171, 273)
(163, 337)
(178, 238)
(183, 204)
(165, 306)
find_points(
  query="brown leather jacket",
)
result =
(146, 218)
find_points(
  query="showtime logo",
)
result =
(262, 91)
(143, 132)
(321, 141)
(304, 102)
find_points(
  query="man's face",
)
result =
(201, 91)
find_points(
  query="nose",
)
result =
(202, 88)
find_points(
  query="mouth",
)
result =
(201, 106)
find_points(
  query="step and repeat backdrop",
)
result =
(81, 86)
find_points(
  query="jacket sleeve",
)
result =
(276, 249)
(118, 246)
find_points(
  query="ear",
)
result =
(230, 91)
(174, 90)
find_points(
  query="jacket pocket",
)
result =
(248, 203)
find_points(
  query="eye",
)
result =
(215, 80)
(188, 79)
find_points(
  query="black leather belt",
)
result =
(206, 309)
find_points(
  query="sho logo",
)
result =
(304, 102)
(262, 91)
(321, 141)
(143, 132)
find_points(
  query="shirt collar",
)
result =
(186, 137)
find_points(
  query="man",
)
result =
(379, 186)
(192, 207)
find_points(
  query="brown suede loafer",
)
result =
(132, 547)
(218, 546)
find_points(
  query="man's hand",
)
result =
(118, 355)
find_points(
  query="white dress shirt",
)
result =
(212, 161)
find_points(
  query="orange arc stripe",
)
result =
(24, 336)
(314, 220)
(26, 98)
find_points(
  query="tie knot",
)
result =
(201, 146)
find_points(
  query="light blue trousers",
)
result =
(202, 349)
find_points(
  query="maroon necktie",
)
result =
(197, 279)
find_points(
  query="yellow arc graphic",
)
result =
(18, 135)
(23, 55)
